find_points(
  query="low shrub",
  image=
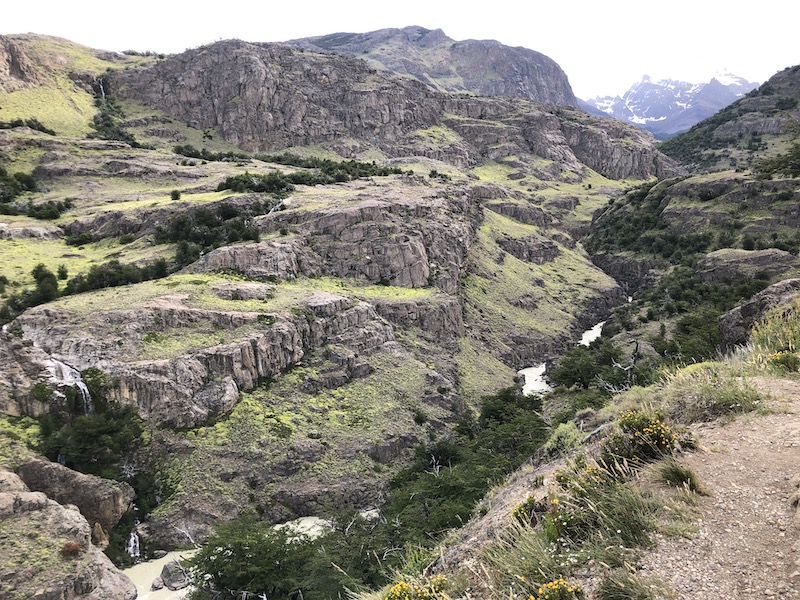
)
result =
(789, 361)
(642, 437)
(431, 589)
(560, 589)
(708, 395)
(71, 549)
(565, 438)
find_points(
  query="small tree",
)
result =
(175, 195)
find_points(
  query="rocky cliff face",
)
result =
(482, 67)
(46, 552)
(267, 97)
(17, 70)
(736, 324)
(184, 391)
(100, 501)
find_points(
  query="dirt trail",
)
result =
(748, 543)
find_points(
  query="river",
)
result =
(535, 381)
(143, 574)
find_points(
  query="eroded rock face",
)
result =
(17, 70)
(413, 236)
(733, 264)
(264, 97)
(53, 557)
(482, 67)
(735, 325)
(531, 249)
(24, 366)
(440, 319)
(277, 97)
(100, 501)
(186, 390)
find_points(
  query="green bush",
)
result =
(789, 361)
(564, 439)
(642, 437)
(559, 589)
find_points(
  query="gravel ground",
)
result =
(748, 543)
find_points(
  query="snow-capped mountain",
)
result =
(668, 107)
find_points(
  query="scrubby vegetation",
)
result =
(32, 123)
(110, 274)
(203, 229)
(436, 493)
(788, 163)
(317, 171)
(11, 186)
(107, 123)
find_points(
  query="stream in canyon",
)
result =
(142, 574)
(535, 380)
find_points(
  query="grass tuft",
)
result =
(622, 585)
(673, 473)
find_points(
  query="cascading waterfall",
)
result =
(132, 545)
(70, 376)
(592, 334)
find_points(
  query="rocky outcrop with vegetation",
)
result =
(47, 550)
(283, 97)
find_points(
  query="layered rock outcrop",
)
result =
(268, 97)
(101, 501)
(184, 391)
(736, 324)
(46, 551)
(733, 264)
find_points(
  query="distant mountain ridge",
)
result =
(668, 107)
(482, 67)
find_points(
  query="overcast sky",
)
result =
(604, 47)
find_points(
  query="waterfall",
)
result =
(592, 334)
(69, 376)
(132, 545)
(535, 382)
